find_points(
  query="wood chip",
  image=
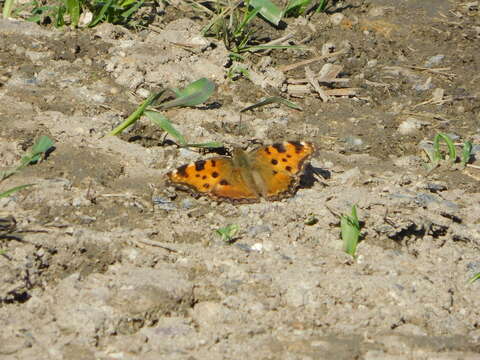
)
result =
(314, 82)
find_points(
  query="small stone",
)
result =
(328, 48)
(144, 93)
(422, 86)
(336, 18)
(409, 126)
(434, 60)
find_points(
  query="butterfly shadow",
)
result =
(311, 175)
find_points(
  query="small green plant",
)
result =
(63, 12)
(194, 94)
(296, 8)
(39, 149)
(474, 278)
(119, 12)
(350, 231)
(232, 23)
(311, 220)
(466, 153)
(437, 155)
(228, 233)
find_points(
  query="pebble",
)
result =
(434, 60)
(409, 126)
(336, 18)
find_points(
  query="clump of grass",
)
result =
(68, 12)
(436, 155)
(350, 231)
(232, 23)
(194, 94)
(228, 233)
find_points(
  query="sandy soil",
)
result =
(108, 262)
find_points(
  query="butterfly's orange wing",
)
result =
(280, 166)
(215, 177)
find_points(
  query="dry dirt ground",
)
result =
(108, 262)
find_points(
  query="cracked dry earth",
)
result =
(107, 262)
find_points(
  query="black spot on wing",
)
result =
(274, 161)
(298, 146)
(181, 171)
(224, 182)
(206, 186)
(213, 163)
(215, 174)
(267, 151)
(279, 147)
(199, 165)
(288, 168)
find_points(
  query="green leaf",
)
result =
(271, 100)
(322, 6)
(101, 14)
(296, 7)
(73, 9)
(268, 10)
(466, 152)
(228, 232)
(474, 278)
(350, 231)
(136, 114)
(43, 144)
(194, 94)
(14, 190)
(7, 8)
(166, 125)
(207, 145)
(452, 152)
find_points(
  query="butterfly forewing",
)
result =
(280, 166)
(216, 177)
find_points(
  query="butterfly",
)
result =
(271, 172)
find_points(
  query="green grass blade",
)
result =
(43, 144)
(268, 10)
(166, 125)
(271, 100)
(296, 7)
(14, 190)
(73, 9)
(452, 152)
(194, 94)
(466, 152)
(136, 114)
(7, 8)
(474, 278)
(127, 13)
(249, 16)
(322, 6)
(350, 231)
(59, 16)
(207, 145)
(101, 14)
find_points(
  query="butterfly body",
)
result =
(270, 172)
